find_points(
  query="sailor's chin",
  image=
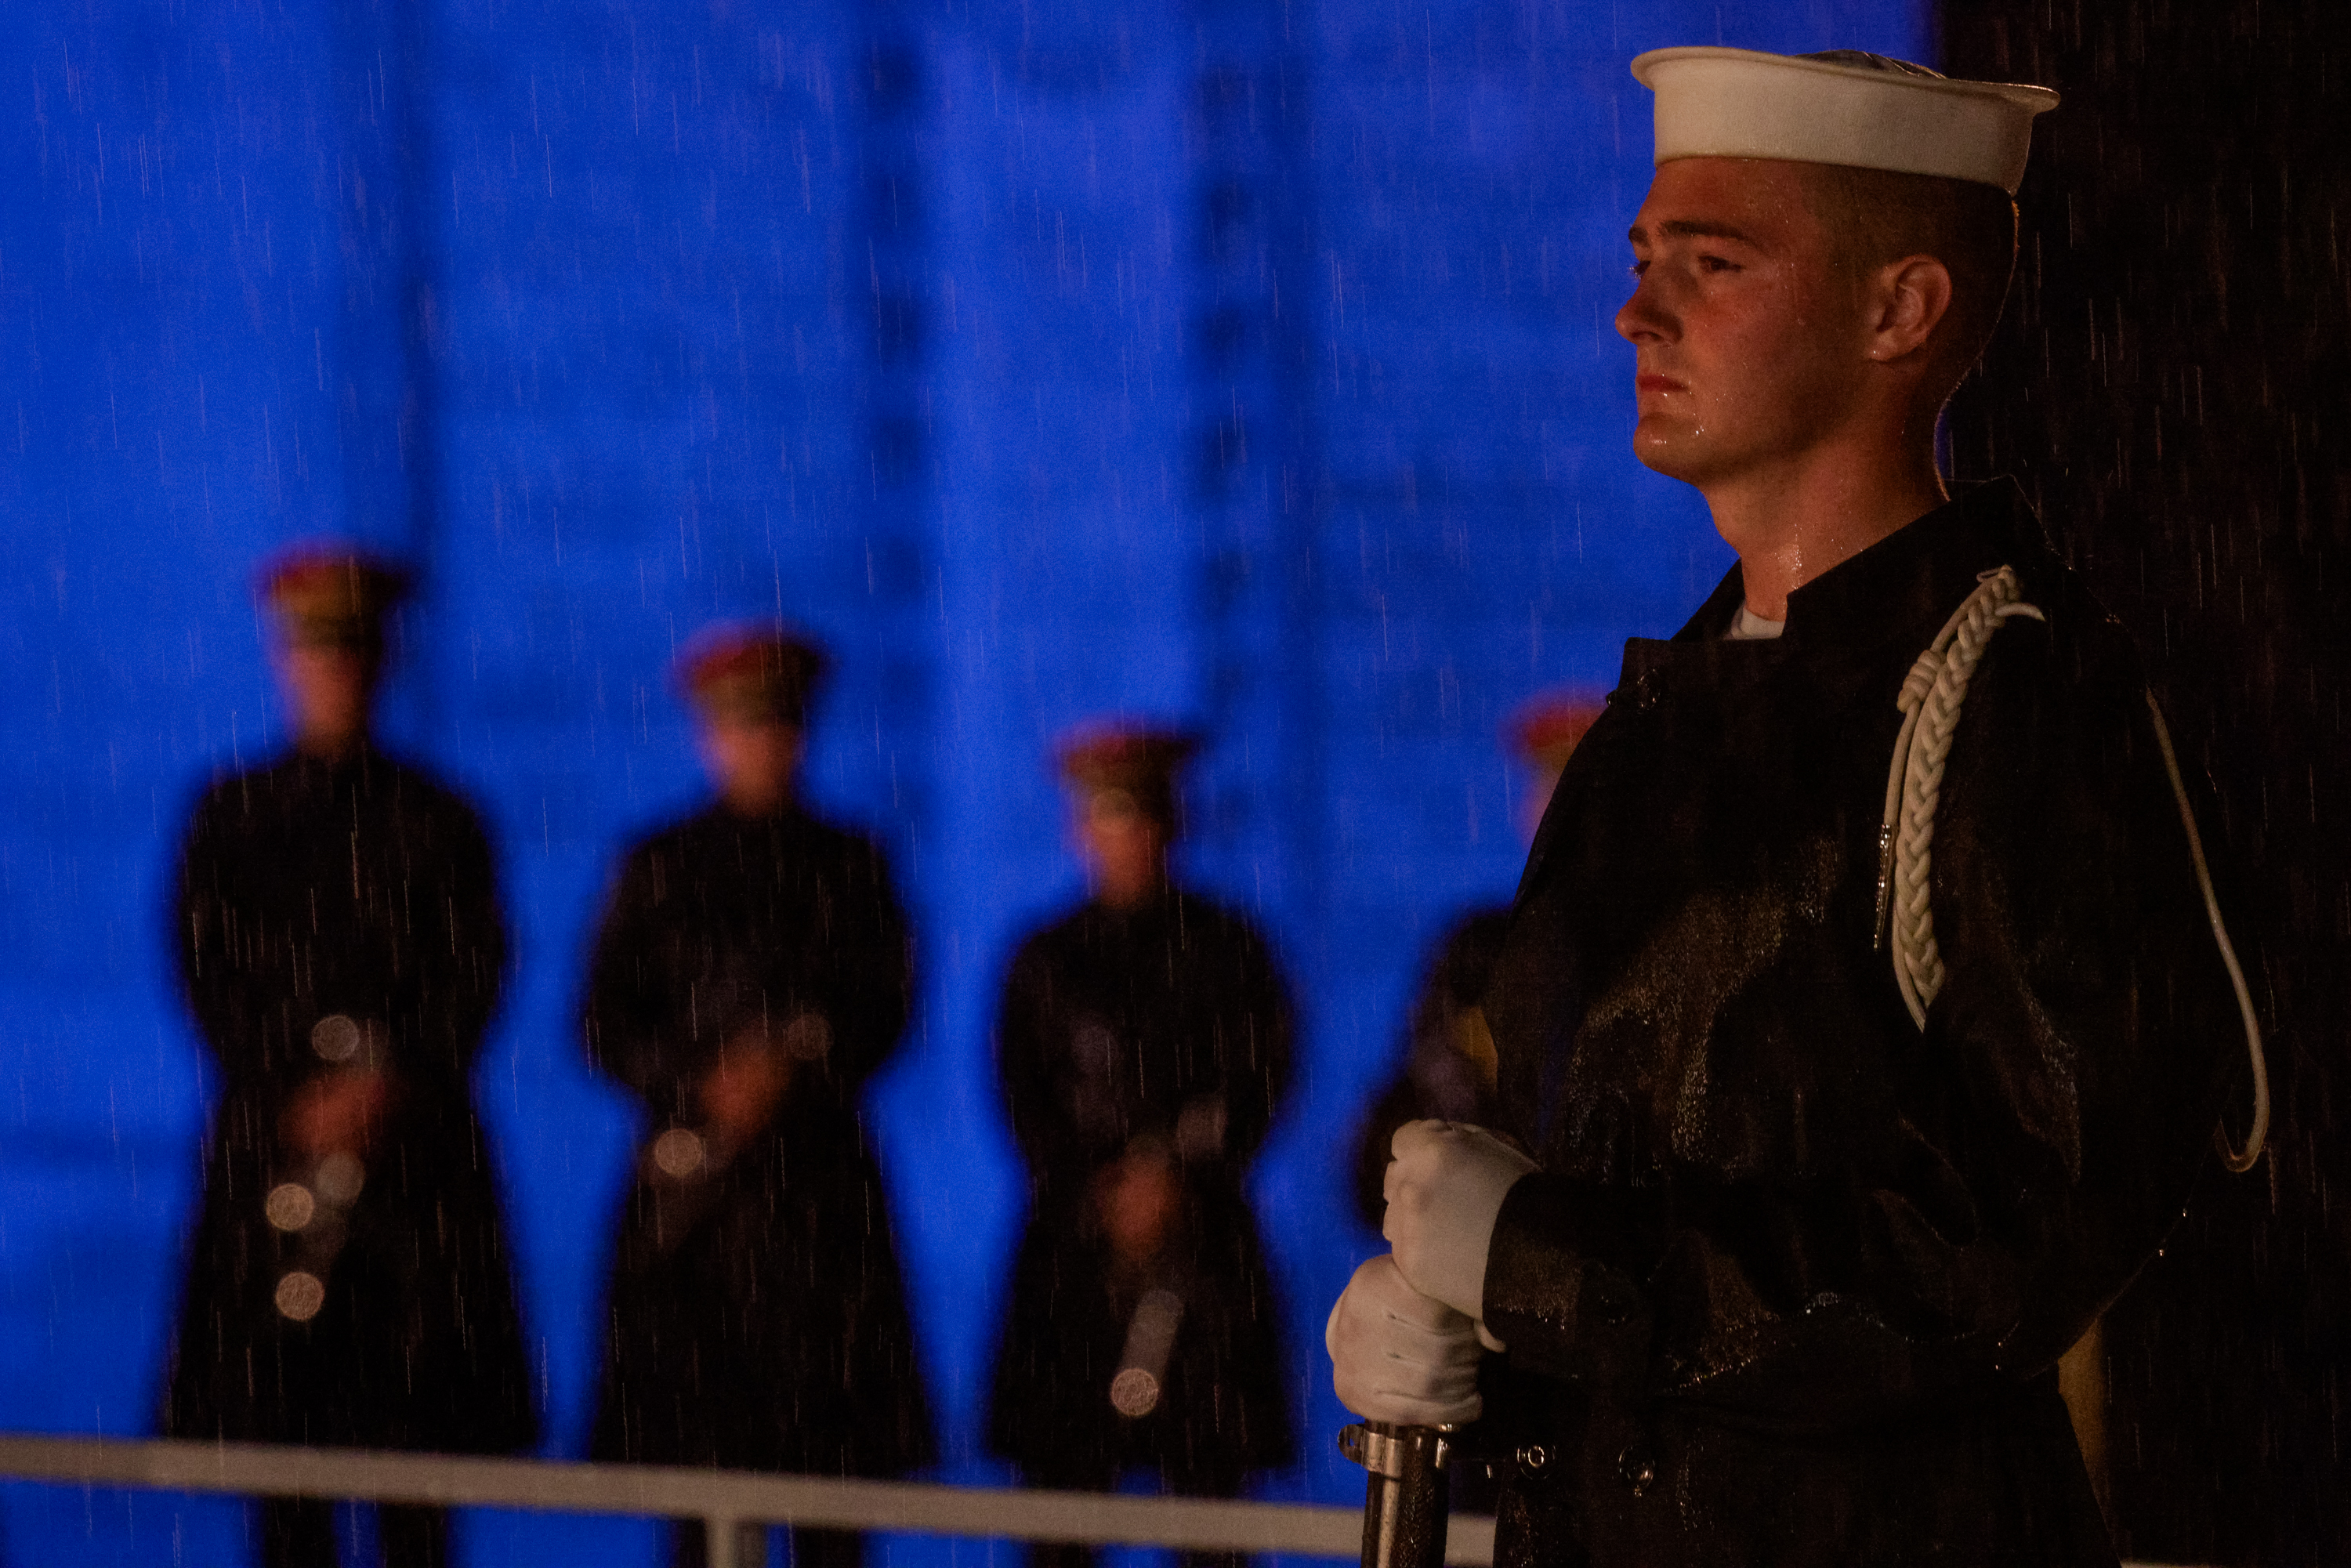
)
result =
(1667, 443)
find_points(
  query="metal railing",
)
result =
(726, 1500)
(733, 1504)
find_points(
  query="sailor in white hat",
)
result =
(1822, 257)
(1861, 1028)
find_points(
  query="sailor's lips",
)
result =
(1654, 385)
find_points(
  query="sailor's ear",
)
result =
(1903, 302)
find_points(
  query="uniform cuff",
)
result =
(1562, 1286)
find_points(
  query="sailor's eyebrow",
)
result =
(1691, 228)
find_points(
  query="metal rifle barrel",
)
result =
(1150, 1343)
(1404, 1493)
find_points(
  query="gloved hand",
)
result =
(1396, 1356)
(1444, 1190)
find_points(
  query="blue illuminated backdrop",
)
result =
(1238, 361)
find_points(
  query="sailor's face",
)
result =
(1739, 319)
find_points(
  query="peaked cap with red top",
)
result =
(752, 673)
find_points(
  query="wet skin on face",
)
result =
(1747, 338)
(1796, 388)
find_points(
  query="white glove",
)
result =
(1396, 1356)
(1444, 1189)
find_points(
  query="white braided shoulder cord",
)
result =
(1930, 699)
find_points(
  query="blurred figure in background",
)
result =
(341, 947)
(1449, 1064)
(1145, 1047)
(752, 971)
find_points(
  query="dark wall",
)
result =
(2173, 384)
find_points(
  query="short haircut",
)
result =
(1874, 216)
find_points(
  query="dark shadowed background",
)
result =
(2173, 385)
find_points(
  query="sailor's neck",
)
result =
(1791, 524)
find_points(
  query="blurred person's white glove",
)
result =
(1445, 1188)
(1396, 1356)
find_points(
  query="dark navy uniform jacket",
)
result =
(361, 888)
(1167, 1025)
(770, 1330)
(1792, 1280)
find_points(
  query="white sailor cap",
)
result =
(1865, 111)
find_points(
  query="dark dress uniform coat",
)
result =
(1790, 1285)
(363, 888)
(1167, 1023)
(769, 1330)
